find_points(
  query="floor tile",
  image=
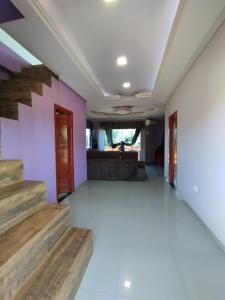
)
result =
(92, 295)
(152, 274)
(103, 268)
(145, 236)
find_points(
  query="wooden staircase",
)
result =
(41, 257)
(19, 87)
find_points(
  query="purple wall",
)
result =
(9, 139)
(36, 132)
(8, 12)
(11, 60)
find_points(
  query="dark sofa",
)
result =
(112, 155)
(115, 165)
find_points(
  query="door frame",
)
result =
(58, 108)
(172, 123)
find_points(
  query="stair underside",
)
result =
(24, 245)
(59, 275)
(19, 87)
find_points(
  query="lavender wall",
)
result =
(36, 132)
(11, 60)
(9, 139)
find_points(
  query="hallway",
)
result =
(147, 244)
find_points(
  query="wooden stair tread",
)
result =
(18, 236)
(10, 84)
(11, 171)
(26, 244)
(22, 186)
(14, 94)
(18, 201)
(59, 275)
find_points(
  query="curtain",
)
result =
(136, 134)
(134, 139)
(109, 126)
(109, 136)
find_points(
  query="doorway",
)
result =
(173, 150)
(64, 152)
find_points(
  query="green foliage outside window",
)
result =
(125, 135)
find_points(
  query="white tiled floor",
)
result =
(144, 235)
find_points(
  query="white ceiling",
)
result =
(81, 40)
(137, 29)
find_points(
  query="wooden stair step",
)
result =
(25, 245)
(58, 276)
(13, 115)
(11, 95)
(10, 109)
(11, 171)
(41, 70)
(23, 81)
(34, 87)
(18, 201)
(10, 103)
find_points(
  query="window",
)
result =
(125, 135)
(88, 138)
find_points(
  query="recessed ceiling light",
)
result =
(127, 284)
(122, 61)
(126, 85)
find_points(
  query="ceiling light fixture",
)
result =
(122, 61)
(126, 85)
(127, 284)
(113, 97)
(144, 95)
(122, 110)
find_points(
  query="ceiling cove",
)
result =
(88, 64)
(95, 34)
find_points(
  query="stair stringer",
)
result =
(20, 139)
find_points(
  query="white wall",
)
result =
(200, 102)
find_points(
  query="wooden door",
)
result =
(64, 151)
(173, 149)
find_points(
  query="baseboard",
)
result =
(179, 195)
(211, 233)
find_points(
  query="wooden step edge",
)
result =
(48, 227)
(11, 171)
(75, 274)
(80, 263)
(20, 187)
(20, 218)
(15, 271)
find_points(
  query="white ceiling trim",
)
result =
(209, 36)
(80, 63)
(170, 40)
